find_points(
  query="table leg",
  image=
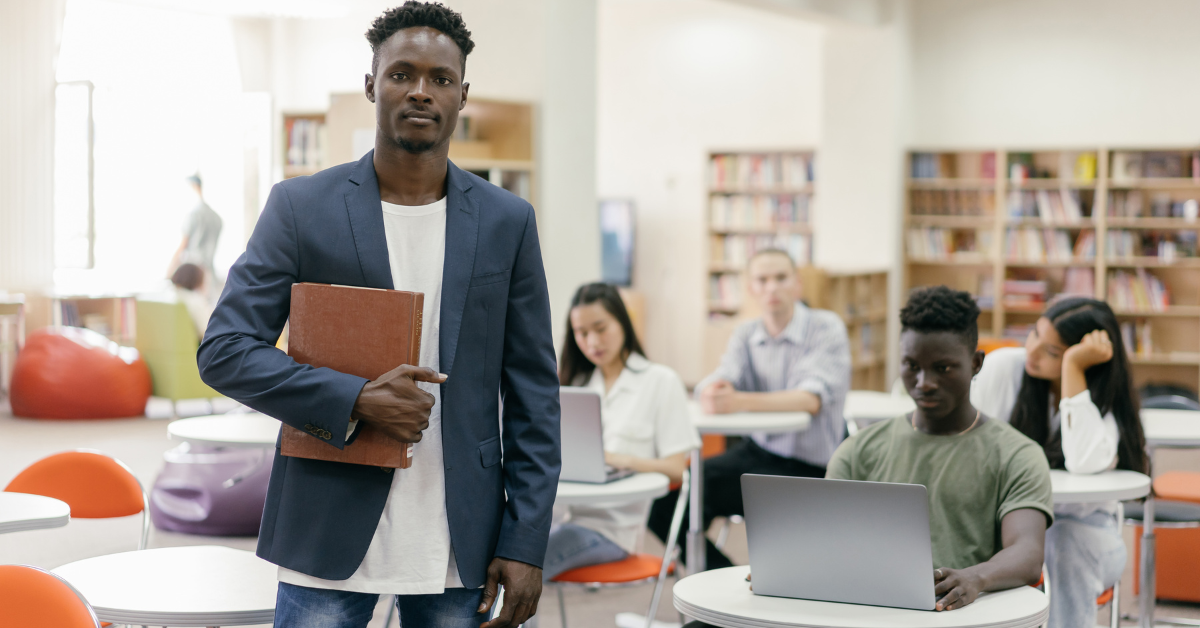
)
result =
(695, 535)
(1147, 568)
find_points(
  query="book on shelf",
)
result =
(1132, 204)
(1166, 246)
(1136, 291)
(952, 202)
(953, 165)
(735, 250)
(1079, 282)
(1129, 166)
(938, 244)
(1051, 206)
(725, 290)
(765, 171)
(1024, 294)
(1137, 338)
(1017, 332)
(757, 211)
(1031, 245)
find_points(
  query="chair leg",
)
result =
(562, 605)
(1114, 613)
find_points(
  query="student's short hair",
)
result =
(413, 14)
(771, 251)
(938, 308)
(188, 276)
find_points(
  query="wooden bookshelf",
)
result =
(493, 139)
(755, 200)
(1113, 224)
(305, 144)
(860, 298)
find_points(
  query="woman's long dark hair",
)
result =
(1110, 385)
(574, 363)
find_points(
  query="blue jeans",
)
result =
(303, 607)
(1083, 558)
(572, 546)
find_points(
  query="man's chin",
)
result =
(415, 147)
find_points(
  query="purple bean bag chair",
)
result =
(214, 491)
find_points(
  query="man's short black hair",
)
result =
(413, 14)
(938, 308)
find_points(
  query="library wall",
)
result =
(1035, 73)
(28, 47)
(678, 78)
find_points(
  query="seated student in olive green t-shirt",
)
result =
(989, 485)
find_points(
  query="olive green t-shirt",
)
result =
(973, 480)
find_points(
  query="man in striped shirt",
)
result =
(793, 359)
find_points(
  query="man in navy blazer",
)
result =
(494, 344)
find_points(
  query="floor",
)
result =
(140, 443)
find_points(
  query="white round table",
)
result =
(722, 597)
(20, 512)
(733, 424)
(864, 407)
(636, 487)
(202, 585)
(1117, 485)
(226, 430)
(1172, 429)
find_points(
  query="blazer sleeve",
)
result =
(238, 357)
(529, 390)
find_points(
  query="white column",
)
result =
(568, 221)
(29, 38)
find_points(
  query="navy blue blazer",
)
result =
(495, 343)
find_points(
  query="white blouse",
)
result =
(644, 414)
(1089, 441)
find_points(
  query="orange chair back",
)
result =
(712, 445)
(988, 345)
(34, 598)
(94, 485)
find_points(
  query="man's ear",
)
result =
(976, 362)
(463, 101)
(369, 87)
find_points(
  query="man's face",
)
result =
(773, 282)
(417, 89)
(937, 368)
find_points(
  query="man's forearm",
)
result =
(1014, 566)
(779, 401)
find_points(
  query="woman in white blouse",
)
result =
(1069, 389)
(646, 426)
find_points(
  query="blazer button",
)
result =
(308, 426)
(326, 435)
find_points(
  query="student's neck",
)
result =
(957, 422)
(611, 372)
(410, 178)
(776, 322)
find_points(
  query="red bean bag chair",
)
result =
(75, 373)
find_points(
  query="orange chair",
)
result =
(36, 598)
(632, 570)
(94, 485)
(1112, 594)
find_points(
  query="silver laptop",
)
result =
(583, 438)
(839, 540)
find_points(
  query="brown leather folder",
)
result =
(360, 331)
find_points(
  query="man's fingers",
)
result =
(947, 600)
(426, 374)
(943, 587)
(504, 620)
(489, 593)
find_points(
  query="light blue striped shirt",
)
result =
(813, 354)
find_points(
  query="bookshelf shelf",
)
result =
(749, 189)
(767, 230)
(1111, 210)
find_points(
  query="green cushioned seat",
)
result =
(167, 340)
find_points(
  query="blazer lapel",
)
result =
(366, 223)
(462, 236)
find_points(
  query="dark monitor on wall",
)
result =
(616, 241)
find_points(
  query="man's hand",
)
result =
(395, 405)
(522, 590)
(718, 398)
(955, 588)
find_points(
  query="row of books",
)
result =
(1132, 204)
(758, 211)
(1129, 166)
(736, 250)
(953, 166)
(305, 139)
(1138, 290)
(952, 202)
(1078, 167)
(725, 290)
(869, 339)
(1166, 245)
(764, 171)
(1051, 206)
(1049, 245)
(1025, 294)
(1137, 339)
(937, 244)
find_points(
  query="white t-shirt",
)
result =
(644, 415)
(1089, 441)
(410, 553)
